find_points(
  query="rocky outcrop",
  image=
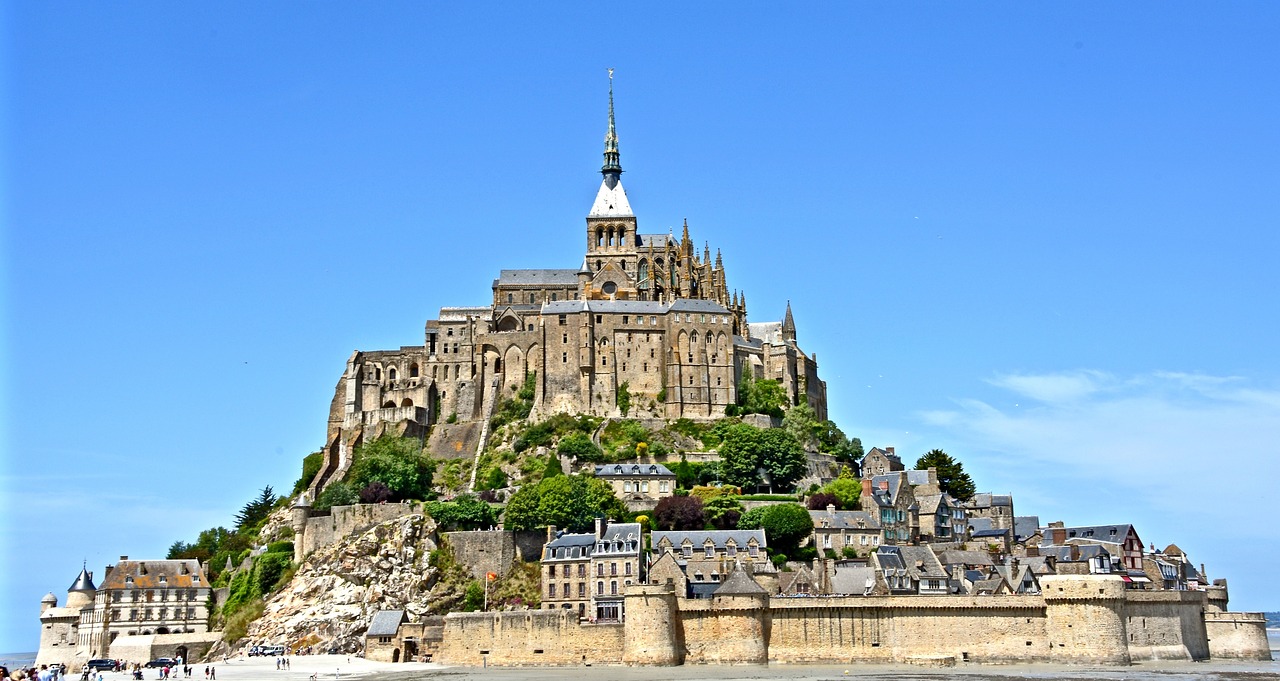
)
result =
(338, 588)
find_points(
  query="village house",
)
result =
(836, 533)
(706, 556)
(638, 483)
(911, 570)
(890, 497)
(588, 572)
(880, 462)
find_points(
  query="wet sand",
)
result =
(334, 667)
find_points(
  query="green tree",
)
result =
(624, 398)
(397, 462)
(473, 599)
(553, 467)
(847, 492)
(579, 446)
(746, 449)
(463, 513)
(723, 511)
(765, 396)
(256, 510)
(567, 501)
(951, 476)
(336, 494)
(785, 525)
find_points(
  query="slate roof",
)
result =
(621, 532)
(966, 558)
(562, 547)
(845, 520)
(907, 557)
(1024, 526)
(84, 581)
(1115, 534)
(659, 240)
(768, 332)
(605, 306)
(739, 582)
(748, 343)
(917, 477)
(147, 574)
(385, 623)
(987, 500)
(929, 502)
(555, 277)
(690, 305)
(886, 497)
(698, 538)
(853, 579)
(633, 469)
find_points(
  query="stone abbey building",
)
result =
(644, 311)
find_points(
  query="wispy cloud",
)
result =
(1162, 439)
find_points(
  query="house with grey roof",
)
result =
(588, 572)
(707, 556)
(638, 484)
(838, 533)
(911, 570)
(890, 497)
(1121, 540)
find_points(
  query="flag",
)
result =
(491, 576)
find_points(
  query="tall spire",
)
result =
(612, 168)
(789, 325)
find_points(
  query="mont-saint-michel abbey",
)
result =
(644, 310)
(571, 486)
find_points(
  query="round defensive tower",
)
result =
(82, 591)
(740, 606)
(49, 601)
(652, 626)
(300, 511)
(1084, 619)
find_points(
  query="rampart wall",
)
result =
(1166, 625)
(1079, 620)
(344, 521)
(1237, 635)
(483, 551)
(528, 638)
(898, 629)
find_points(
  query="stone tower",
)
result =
(1084, 619)
(653, 626)
(298, 516)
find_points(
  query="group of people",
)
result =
(44, 673)
(282, 663)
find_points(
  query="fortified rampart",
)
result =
(1078, 620)
(1237, 635)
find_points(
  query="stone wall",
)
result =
(484, 551)
(1079, 620)
(345, 521)
(899, 629)
(1237, 635)
(1166, 625)
(528, 638)
(142, 649)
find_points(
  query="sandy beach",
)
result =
(331, 667)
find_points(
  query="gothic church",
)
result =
(644, 311)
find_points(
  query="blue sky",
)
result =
(1039, 237)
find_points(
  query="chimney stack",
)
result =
(890, 450)
(831, 509)
(599, 528)
(551, 533)
(866, 487)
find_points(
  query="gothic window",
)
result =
(413, 370)
(643, 271)
(391, 373)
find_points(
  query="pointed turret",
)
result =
(789, 325)
(706, 253)
(84, 582)
(719, 262)
(612, 169)
(611, 200)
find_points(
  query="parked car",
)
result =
(271, 651)
(161, 662)
(101, 665)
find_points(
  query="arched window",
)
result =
(643, 271)
(511, 298)
(413, 370)
(406, 402)
(389, 404)
(599, 237)
(391, 373)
